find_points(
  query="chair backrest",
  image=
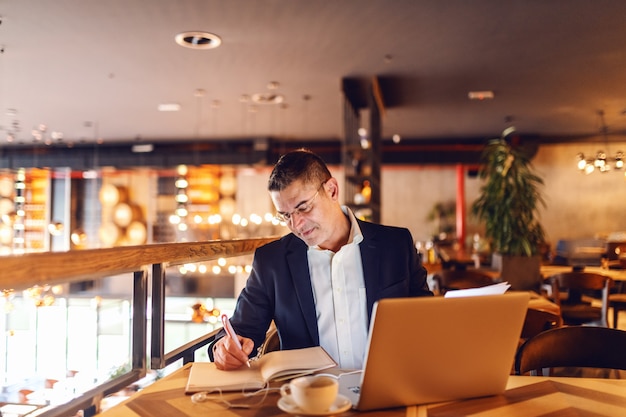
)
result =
(584, 281)
(615, 250)
(538, 321)
(458, 279)
(272, 341)
(573, 346)
(580, 282)
(620, 251)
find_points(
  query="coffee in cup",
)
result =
(312, 394)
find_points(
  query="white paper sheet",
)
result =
(499, 288)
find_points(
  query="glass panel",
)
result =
(58, 344)
(197, 294)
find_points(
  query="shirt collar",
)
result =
(356, 236)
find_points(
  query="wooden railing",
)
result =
(146, 263)
(51, 268)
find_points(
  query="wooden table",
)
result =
(526, 396)
(615, 274)
(532, 396)
(539, 302)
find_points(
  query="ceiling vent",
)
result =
(198, 40)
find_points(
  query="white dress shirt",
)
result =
(340, 302)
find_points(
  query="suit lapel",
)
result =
(301, 278)
(371, 264)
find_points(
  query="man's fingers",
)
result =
(247, 345)
(228, 356)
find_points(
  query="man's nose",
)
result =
(296, 217)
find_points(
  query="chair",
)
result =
(23, 395)
(537, 321)
(272, 341)
(458, 279)
(572, 346)
(49, 383)
(571, 291)
(617, 302)
(616, 254)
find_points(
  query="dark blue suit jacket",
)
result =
(279, 287)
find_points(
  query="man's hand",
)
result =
(227, 355)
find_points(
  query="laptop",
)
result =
(431, 349)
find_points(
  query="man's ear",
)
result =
(332, 187)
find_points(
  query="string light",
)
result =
(179, 218)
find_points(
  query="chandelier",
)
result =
(602, 162)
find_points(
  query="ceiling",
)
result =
(88, 71)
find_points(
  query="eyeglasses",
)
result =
(303, 208)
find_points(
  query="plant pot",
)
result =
(521, 272)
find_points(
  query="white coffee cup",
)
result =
(312, 394)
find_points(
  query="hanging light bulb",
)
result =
(181, 211)
(600, 159)
(181, 196)
(619, 160)
(181, 183)
(582, 162)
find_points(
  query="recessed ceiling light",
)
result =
(480, 95)
(143, 148)
(169, 107)
(198, 40)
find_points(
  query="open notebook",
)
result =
(276, 365)
(430, 349)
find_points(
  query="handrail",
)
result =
(50, 268)
(185, 352)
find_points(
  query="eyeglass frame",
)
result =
(302, 208)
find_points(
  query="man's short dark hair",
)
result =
(301, 164)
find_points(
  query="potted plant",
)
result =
(444, 217)
(508, 205)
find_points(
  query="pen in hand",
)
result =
(231, 332)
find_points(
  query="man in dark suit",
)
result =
(319, 283)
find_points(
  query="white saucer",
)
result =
(340, 405)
